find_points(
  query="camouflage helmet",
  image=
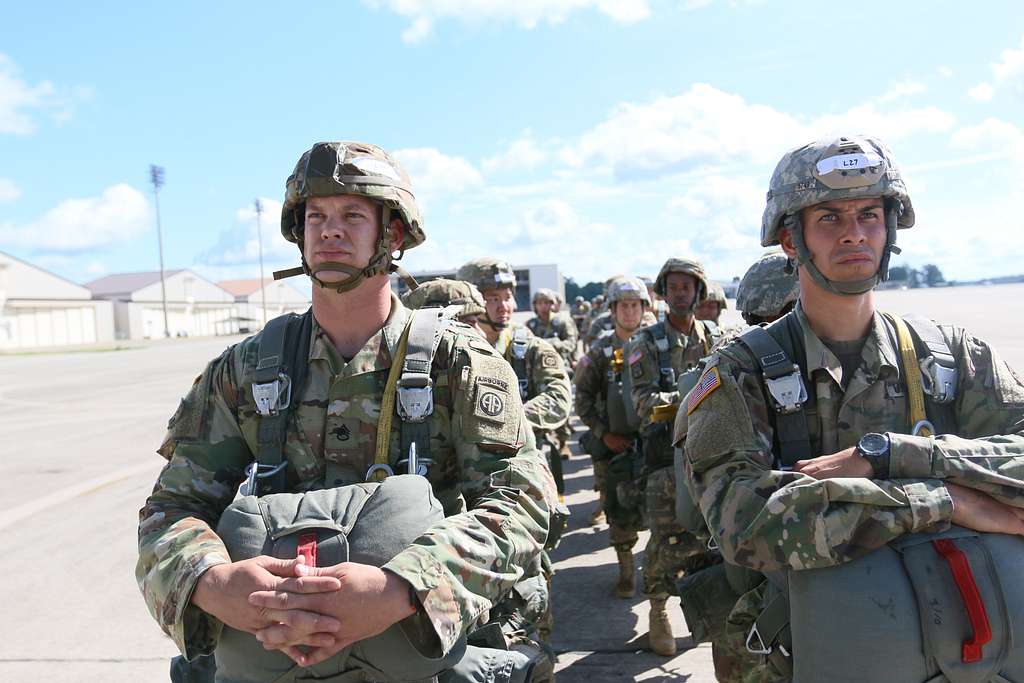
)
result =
(351, 168)
(717, 294)
(488, 273)
(578, 299)
(441, 293)
(768, 286)
(628, 288)
(855, 167)
(545, 294)
(688, 267)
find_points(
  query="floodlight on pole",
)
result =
(258, 205)
(156, 176)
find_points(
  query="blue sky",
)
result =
(604, 135)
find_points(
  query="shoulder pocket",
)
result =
(492, 412)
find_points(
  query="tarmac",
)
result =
(77, 460)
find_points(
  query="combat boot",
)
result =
(564, 451)
(659, 635)
(598, 515)
(626, 587)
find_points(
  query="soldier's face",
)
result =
(707, 310)
(629, 314)
(500, 304)
(343, 229)
(845, 237)
(680, 291)
(543, 308)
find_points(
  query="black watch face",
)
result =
(873, 443)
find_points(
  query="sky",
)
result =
(601, 135)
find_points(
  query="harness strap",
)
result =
(381, 467)
(912, 377)
(515, 353)
(963, 576)
(667, 374)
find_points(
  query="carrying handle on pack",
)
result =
(969, 593)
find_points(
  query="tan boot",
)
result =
(660, 634)
(597, 517)
(626, 587)
(564, 451)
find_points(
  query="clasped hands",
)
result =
(309, 613)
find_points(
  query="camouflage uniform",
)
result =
(602, 322)
(495, 488)
(768, 519)
(548, 395)
(580, 312)
(560, 332)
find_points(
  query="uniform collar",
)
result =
(878, 355)
(376, 354)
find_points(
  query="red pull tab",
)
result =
(307, 548)
(969, 593)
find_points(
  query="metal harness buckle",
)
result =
(415, 398)
(254, 472)
(938, 381)
(788, 391)
(268, 396)
(524, 387)
(763, 649)
(379, 467)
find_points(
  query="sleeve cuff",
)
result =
(428, 578)
(910, 457)
(931, 506)
(194, 631)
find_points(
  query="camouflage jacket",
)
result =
(601, 322)
(767, 519)
(494, 484)
(548, 392)
(559, 331)
(642, 359)
(591, 381)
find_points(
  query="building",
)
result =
(280, 298)
(528, 280)
(195, 306)
(40, 309)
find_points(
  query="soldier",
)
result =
(601, 321)
(711, 308)
(442, 293)
(886, 428)
(769, 289)
(559, 331)
(580, 311)
(541, 375)
(659, 309)
(603, 409)
(657, 356)
(348, 207)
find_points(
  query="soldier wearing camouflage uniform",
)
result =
(442, 293)
(601, 320)
(602, 408)
(835, 206)
(559, 331)
(768, 290)
(580, 312)
(349, 207)
(711, 308)
(656, 356)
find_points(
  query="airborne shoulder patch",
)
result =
(709, 381)
(549, 360)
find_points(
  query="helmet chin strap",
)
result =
(805, 259)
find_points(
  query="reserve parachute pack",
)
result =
(928, 607)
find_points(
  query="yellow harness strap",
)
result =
(912, 374)
(387, 407)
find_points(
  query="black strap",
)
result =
(283, 356)
(666, 373)
(774, 349)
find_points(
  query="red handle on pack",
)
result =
(969, 593)
(307, 548)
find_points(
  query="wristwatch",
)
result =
(875, 448)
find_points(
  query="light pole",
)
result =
(258, 205)
(156, 176)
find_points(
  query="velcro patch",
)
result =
(634, 357)
(490, 404)
(637, 371)
(709, 381)
(549, 360)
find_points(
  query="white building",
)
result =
(195, 306)
(40, 309)
(528, 280)
(280, 298)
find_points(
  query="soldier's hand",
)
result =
(223, 591)
(975, 510)
(616, 443)
(368, 601)
(846, 463)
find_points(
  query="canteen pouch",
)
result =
(903, 615)
(707, 599)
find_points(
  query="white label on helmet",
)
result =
(629, 287)
(376, 167)
(503, 278)
(848, 162)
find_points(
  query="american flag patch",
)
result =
(709, 381)
(634, 357)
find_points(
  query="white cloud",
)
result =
(435, 175)
(424, 14)
(1007, 72)
(120, 214)
(945, 71)
(8, 190)
(902, 90)
(991, 135)
(239, 245)
(983, 92)
(21, 101)
(521, 154)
